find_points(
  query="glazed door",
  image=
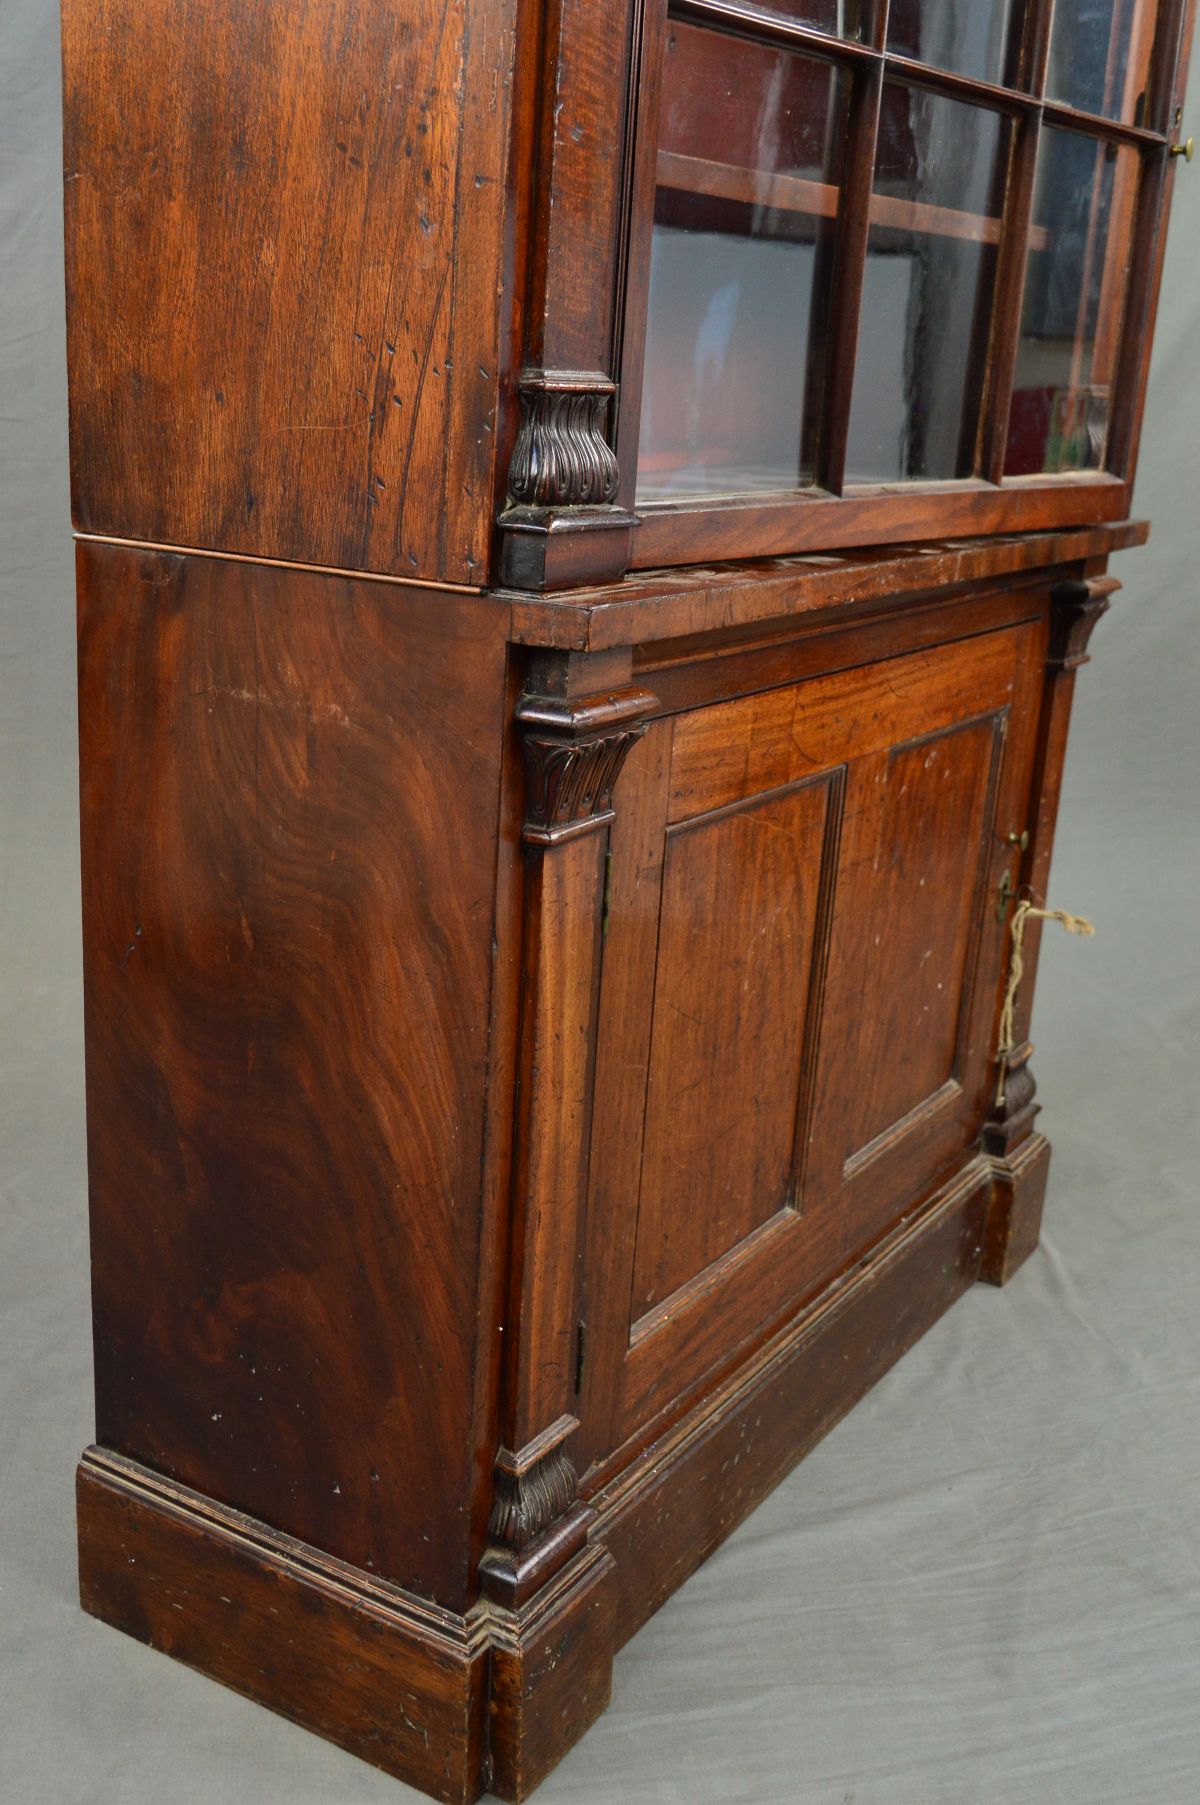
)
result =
(876, 250)
(798, 999)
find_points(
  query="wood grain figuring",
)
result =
(756, 661)
(560, 525)
(669, 1510)
(551, 1676)
(563, 898)
(700, 1284)
(759, 743)
(665, 606)
(541, 984)
(284, 264)
(623, 1033)
(575, 750)
(396, 1682)
(947, 823)
(701, 532)
(289, 803)
(739, 911)
(912, 918)
(570, 312)
(452, 1704)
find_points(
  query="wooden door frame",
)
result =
(605, 1439)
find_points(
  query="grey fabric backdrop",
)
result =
(985, 1585)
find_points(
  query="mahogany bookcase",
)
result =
(588, 518)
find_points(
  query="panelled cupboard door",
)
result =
(798, 999)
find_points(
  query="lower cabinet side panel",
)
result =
(290, 792)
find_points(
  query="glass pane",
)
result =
(1100, 56)
(970, 38)
(1074, 296)
(744, 207)
(841, 18)
(927, 291)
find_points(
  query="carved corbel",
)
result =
(1075, 608)
(561, 525)
(574, 753)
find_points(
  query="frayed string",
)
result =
(1024, 913)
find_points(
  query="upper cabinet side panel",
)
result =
(285, 232)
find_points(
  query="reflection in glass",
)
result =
(1074, 296)
(1100, 56)
(971, 39)
(927, 291)
(744, 206)
(841, 18)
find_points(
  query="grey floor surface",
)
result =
(985, 1586)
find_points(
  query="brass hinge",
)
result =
(580, 1353)
(606, 895)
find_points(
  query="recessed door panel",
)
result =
(739, 912)
(906, 925)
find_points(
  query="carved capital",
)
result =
(562, 458)
(574, 753)
(533, 1488)
(1075, 607)
(1012, 1116)
(537, 1524)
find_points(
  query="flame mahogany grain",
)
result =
(541, 985)
(289, 811)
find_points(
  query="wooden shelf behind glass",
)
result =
(798, 194)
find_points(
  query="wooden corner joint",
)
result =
(492, 1697)
(1075, 607)
(574, 753)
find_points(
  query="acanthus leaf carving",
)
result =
(527, 1501)
(574, 754)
